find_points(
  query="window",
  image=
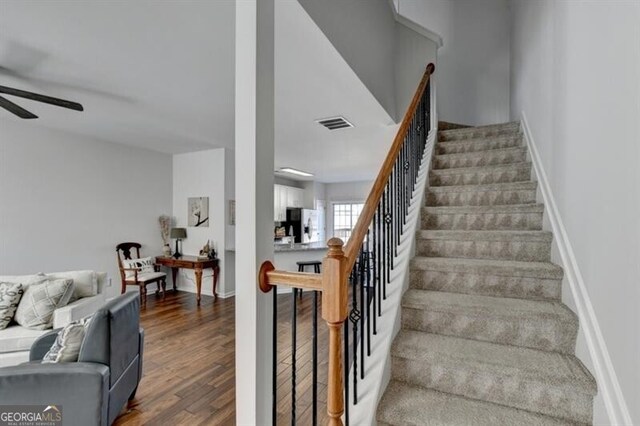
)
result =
(345, 217)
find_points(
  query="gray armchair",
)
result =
(93, 390)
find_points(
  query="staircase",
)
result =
(485, 339)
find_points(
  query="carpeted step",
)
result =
(478, 145)
(492, 157)
(480, 131)
(543, 325)
(501, 173)
(407, 405)
(548, 383)
(482, 195)
(506, 217)
(446, 125)
(533, 246)
(499, 278)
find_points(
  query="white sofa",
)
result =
(15, 340)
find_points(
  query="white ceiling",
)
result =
(160, 75)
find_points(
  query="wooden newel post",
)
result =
(334, 312)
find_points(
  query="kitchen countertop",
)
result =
(279, 248)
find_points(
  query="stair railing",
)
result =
(359, 270)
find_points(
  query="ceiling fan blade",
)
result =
(15, 109)
(41, 98)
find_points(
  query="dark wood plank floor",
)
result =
(189, 363)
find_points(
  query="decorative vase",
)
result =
(166, 250)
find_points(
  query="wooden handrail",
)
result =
(366, 216)
(270, 277)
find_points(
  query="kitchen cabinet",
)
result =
(283, 197)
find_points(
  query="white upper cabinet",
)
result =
(283, 197)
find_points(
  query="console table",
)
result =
(194, 263)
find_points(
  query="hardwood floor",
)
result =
(189, 363)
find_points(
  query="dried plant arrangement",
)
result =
(165, 226)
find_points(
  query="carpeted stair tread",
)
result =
(439, 234)
(548, 383)
(504, 245)
(510, 155)
(506, 208)
(487, 277)
(469, 132)
(544, 325)
(406, 405)
(507, 125)
(510, 268)
(492, 217)
(485, 187)
(482, 195)
(476, 145)
(518, 172)
(554, 368)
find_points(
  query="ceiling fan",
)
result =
(23, 113)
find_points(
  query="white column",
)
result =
(254, 133)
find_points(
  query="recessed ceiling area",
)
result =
(160, 76)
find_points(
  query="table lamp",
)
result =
(179, 234)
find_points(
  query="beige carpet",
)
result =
(485, 339)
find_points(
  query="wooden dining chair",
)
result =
(139, 271)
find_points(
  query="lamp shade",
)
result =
(178, 233)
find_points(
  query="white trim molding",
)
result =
(401, 19)
(604, 371)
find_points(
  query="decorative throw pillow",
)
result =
(35, 310)
(66, 348)
(10, 294)
(85, 283)
(25, 280)
(144, 265)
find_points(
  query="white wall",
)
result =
(356, 192)
(413, 53)
(66, 201)
(363, 33)
(202, 174)
(575, 75)
(473, 63)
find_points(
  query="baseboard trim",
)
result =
(604, 371)
(227, 294)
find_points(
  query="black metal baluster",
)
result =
(380, 258)
(394, 213)
(375, 266)
(314, 385)
(362, 308)
(294, 317)
(368, 295)
(387, 226)
(274, 360)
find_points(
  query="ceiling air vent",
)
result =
(334, 123)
